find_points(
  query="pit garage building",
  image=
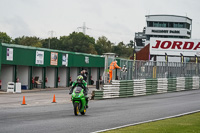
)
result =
(46, 68)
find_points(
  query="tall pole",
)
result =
(84, 28)
(51, 36)
(49, 43)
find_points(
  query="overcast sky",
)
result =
(118, 20)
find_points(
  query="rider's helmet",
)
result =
(80, 79)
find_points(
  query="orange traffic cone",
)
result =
(23, 102)
(54, 99)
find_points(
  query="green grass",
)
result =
(183, 124)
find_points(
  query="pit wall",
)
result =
(140, 87)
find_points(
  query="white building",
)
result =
(164, 26)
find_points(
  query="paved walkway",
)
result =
(37, 97)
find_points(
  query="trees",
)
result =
(75, 42)
(4, 38)
(131, 44)
(103, 45)
(52, 43)
(28, 41)
(122, 50)
(78, 42)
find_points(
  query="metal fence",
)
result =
(151, 69)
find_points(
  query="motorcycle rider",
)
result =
(81, 83)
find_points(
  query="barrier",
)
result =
(10, 87)
(138, 87)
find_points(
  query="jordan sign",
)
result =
(188, 47)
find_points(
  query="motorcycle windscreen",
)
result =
(78, 89)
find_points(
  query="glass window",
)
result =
(170, 24)
(164, 24)
(187, 26)
(148, 37)
(160, 24)
(155, 24)
(150, 24)
(175, 25)
(180, 25)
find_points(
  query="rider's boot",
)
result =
(86, 102)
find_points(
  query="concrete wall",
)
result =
(62, 73)
(74, 73)
(23, 74)
(6, 75)
(50, 74)
(94, 75)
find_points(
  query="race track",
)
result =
(102, 114)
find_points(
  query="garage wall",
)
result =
(50, 74)
(74, 73)
(62, 73)
(6, 75)
(94, 75)
(23, 75)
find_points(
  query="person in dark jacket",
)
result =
(84, 74)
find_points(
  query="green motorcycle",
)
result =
(79, 101)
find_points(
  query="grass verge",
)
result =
(184, 124)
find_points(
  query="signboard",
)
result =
(9, 55)
(188, 47)
(166, 31)
(65, 59)
(39, 57)
(54, 58)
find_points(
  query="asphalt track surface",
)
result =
(102, 114)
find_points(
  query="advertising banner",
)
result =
(86, 59)
(54, 58)
(9, 55)
(65, 59)
(187, 47)
(39, 57)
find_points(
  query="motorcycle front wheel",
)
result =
(76, 108)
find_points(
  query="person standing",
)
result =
(84, 74)
(113, 65)
(124, 72)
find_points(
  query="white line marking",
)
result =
(133, 124)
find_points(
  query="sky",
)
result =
(118, 20)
